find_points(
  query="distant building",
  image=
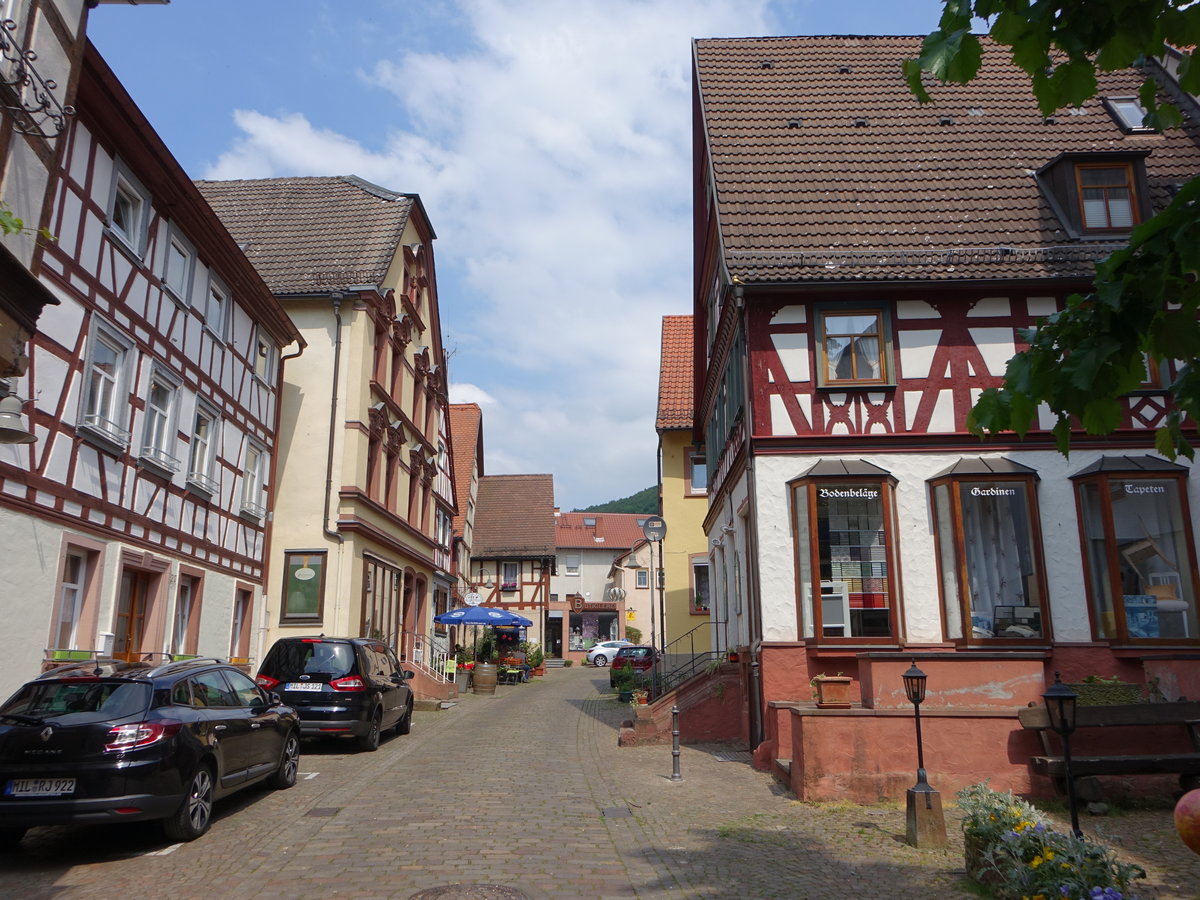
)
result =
(362, 532)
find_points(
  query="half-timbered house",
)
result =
(137, 522)
(864, 267)
(362, 537)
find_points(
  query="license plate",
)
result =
(40, 787)
(303, 686)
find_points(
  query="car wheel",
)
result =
(194, 815)
(10, 837)
(289, 763)
(600, 660)
(370, 741)
(404, 726)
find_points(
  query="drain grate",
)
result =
(616, 812)
(324, 811)
(470, 892)
(733, 756)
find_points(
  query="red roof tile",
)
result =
(514, 516)
(827, 169)
(675, 380)
(618, 531)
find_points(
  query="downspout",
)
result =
(754, 597)
(261, 638)
(336, 297)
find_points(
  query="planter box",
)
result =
(833, 691)
(1101, 693)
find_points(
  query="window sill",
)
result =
(158, 463)
(856, 386)
(253, 513)
(125, 245)
(202, 486)
(113, 441)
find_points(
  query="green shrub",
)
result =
(1012, 849)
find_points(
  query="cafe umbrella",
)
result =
(482, 615)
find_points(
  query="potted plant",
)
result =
(639, 697)
(1096, 690)
(536, 658)
(831, 691)
(624, 682)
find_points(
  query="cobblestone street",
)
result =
(529, 790)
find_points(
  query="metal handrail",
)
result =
(420, 651)
(691, 662)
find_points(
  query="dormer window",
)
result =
(1127, 113)
(1099, 194)
(1106, 197)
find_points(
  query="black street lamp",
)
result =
(1060, 706)
(926, 823)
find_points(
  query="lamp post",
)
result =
(1060, 706)
(926, 822)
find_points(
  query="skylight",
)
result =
(1128, 113)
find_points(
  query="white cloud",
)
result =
(554, 158)
(471, 393)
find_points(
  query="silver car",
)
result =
(604, 651)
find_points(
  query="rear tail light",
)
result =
(349, 683)
(266, 682)
(138, 734)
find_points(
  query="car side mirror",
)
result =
(408, 674)
(276, 700)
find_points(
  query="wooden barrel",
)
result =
(485, 678)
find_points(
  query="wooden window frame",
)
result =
(1027, 484)
(1129, 185)
(822, 312)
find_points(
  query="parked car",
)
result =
(341, 687)
(106, 741)
(602, 652)
(638, 658)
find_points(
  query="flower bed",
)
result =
(1011, 849)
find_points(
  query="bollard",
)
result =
(675, 776)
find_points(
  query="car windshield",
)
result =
(291, 659)
(80, 701)
(634, 652)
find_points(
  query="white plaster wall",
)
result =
(918, 564)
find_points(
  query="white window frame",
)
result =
(697, 462)
(125, 185)
(643, 579)
(510, 579)
(568, 568)
(216, 323)
(263, 351)
(241, 610)
(202, 452)
(160, 423)
(185, 607)
(71, 600)
(253, 483)
(178, 284)
(104, 399)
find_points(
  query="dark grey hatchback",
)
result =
(341, 687)
(108, 741)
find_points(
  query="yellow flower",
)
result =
(1037, 861)
(1049, 854)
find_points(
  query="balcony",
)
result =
(25, 94)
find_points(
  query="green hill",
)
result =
(642, 502)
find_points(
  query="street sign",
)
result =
(655, 528)
(472, 599)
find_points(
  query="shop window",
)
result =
(989, 551)
(853, 347)
(846, 545)
(1138, 549)
(303, 586)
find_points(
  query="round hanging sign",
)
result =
(472, 599)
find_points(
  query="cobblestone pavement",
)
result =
(529, 790)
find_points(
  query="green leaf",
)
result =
(1164, 442)
(1120, 50)
(1062, 434)
(1073, 82)
(1009, 28)
(1102, 415)
(952, 57)
(912, 74)
(988, 414)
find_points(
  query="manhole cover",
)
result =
(733, 756)
(324, 811)
(470, 892)
(616, 812)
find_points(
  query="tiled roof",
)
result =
(514, 516)
(827, 169)
(466, 431)
(675, 383)
(310, 235)
(618, 531)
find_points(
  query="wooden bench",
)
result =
(1183, 715)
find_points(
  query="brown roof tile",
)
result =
(466, 440)
(618, 531)
(828, 169)
(514, 516)
(310, 235)
(675, 381)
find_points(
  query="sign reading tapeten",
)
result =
(1145, 489)
(841, 493)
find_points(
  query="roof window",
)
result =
(1097, 195)
(1128, 113)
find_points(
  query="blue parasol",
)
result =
(481, 615)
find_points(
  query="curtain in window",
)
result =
(996, 544)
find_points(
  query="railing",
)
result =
(681, 660)
(419, 653)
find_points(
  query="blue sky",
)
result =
(550, 141)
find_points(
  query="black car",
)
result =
(107, 741)
(341, 687)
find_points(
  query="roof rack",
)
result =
(167, 666)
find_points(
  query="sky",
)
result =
(550, 142)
